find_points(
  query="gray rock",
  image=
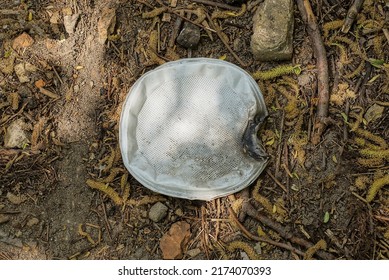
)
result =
(157, 212)
(273, 30)
(189, 36)
(16, 136)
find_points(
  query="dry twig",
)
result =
(216, 4)
(260, 238)
(218, 32)
(284, 232)
(351, 15)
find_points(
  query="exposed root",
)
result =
(322, 69)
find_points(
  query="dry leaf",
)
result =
(173, 242)
(374, 113)
(22, 41)
(16, 199)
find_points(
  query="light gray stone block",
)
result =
(273, 30)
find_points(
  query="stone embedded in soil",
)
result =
(16, 136)
(173, 242)
(157, 212)
(22, 41)
(273, 30)
(189, 36)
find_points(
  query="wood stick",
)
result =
(322, 69)
(218, 32)
(351, 15)
(49, 93)
(278, 183)
(284, 232)
(216, 4)
(260, 238)
(170, 10)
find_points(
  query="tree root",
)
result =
(322, 69)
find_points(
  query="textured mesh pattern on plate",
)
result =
(181, 128)
(192, 129)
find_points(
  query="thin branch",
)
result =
(216, 4)
(260, 238)
(170, 10)
(218, 32)
(276, 181)
(284, 232)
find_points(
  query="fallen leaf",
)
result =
(173, 242)
(106, 24)
(67, 11)
(70, 22)
(374, 113)
(32, 222)
(16, 199)
(326, 217)
(21, 72)
(55, 17)
(40, 83)
(7, 64)
(22, 41)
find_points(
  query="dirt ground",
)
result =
(83, 60)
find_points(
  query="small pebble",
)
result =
(157, 212)
(189, 36)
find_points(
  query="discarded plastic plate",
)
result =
(182, 125)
